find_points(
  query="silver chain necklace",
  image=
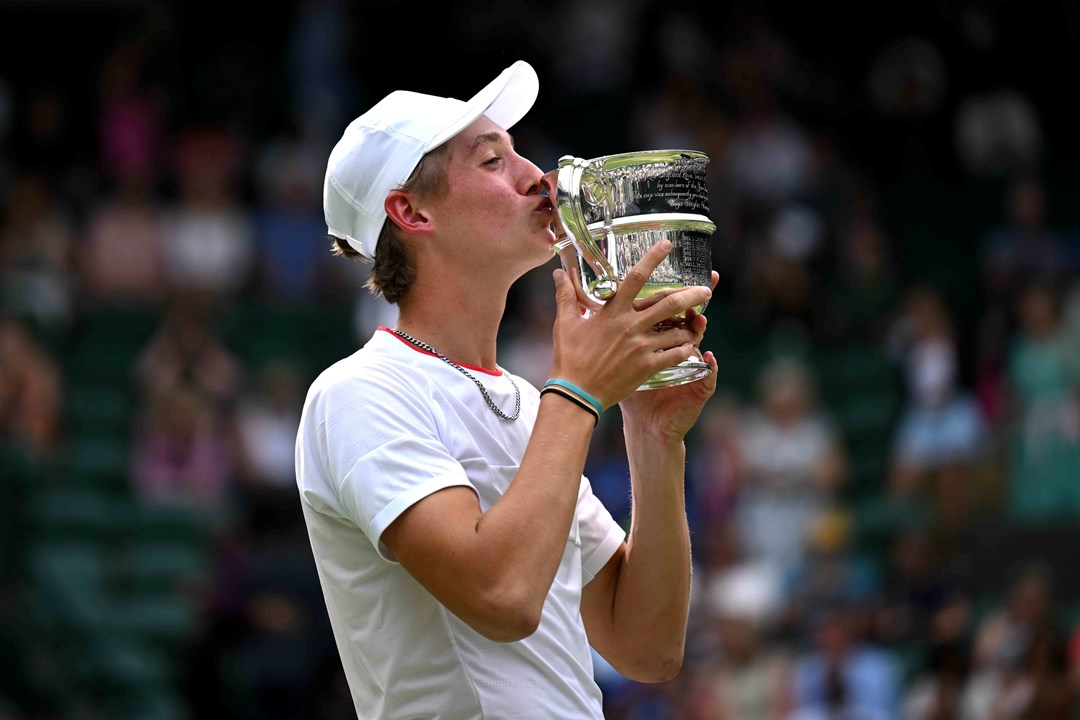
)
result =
(491, 403)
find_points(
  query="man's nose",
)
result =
(541, 184)
(548, 182)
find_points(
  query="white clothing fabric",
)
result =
(269, 441)
(209, 250)
(380, 430)
(780, 499)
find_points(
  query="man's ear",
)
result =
(404, 211)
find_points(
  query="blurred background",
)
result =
(884, 493)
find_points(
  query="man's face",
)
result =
(494, 213)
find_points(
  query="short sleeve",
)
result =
(600, 535)
(385, 452)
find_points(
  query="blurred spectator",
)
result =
(186, 350)
(1024, 680)
(1028, 611)
(1024, 247)
(36, 275)
(267, 418)
(783, 278)
(265, 649)
(289, 223)
(998, 132)
(926, 620)
(30, 391)
(865, 287)
(6, 114)
(132, 117)
(714, 472)
(717, 555)
(1071, 310)
(287, 633)
(843, 677)
(182, 453)
(907, 79)
(830, 574)
(1044, 383)
(1073, 660)
(320, 82)
(907, 84)
(794, 463)
(749, 677)
(941, 431)
(127, 224)
(915, 588)
(937, 694)
(770, 159)
(209, 242)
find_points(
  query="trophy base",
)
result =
(685, 372)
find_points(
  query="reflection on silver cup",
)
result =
(614, 208)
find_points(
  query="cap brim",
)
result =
(505, 100)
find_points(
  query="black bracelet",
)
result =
(574, 399)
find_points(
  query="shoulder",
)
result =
(370, 380)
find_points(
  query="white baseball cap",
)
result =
(380, 149)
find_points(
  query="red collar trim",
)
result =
(496, 373)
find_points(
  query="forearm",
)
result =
(527, 529)
(652, 595)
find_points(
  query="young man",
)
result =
(466, 565)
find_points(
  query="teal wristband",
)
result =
(565, 384)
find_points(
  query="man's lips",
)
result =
(545, 205)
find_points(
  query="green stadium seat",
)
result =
(156, 566)
(97, 409)
(100, 462)
(72, 513)
(165, 618)
(158, 522)
(68, 581)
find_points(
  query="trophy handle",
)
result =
(572, 221)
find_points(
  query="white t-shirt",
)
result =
(380, 430)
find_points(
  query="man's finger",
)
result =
(638, 275)
(676, 304)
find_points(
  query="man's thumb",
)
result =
(565, 298)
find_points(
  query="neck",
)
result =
(463, 326)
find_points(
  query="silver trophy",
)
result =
(614, 208)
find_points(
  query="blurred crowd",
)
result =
(831, 583)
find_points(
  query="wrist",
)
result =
(569, 404)
(575, 393)
(658, 436)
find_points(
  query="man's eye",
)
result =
(493, 161)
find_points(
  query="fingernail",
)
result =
(665, 244)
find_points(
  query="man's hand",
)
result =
(613, 351)
(667, 414)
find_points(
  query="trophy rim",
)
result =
(642, 157)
